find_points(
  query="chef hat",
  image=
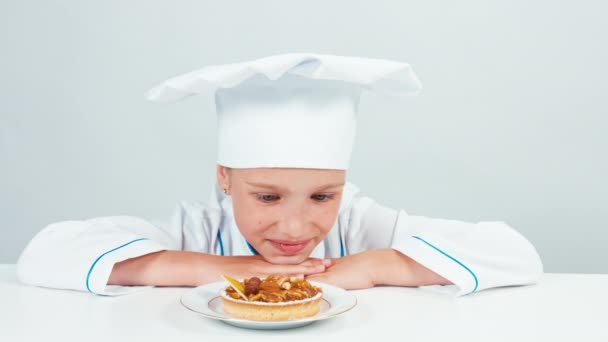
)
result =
(293, 110)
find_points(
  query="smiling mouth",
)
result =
(289, 247)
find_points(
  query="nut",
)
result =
(252, 286)
(281, 280)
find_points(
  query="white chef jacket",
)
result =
(79, 255)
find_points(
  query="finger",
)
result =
(300, 269)
(318, 261)
(327, 278)
(318, 277)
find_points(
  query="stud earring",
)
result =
(225, 191)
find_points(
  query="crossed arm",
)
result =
(358, 271)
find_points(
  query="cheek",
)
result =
(248, 222)
(326, 216)
(250, 218)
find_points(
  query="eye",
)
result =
(321, 197)
(267, 198)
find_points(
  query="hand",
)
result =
(248, 266)
(351, 272)
(377, 267)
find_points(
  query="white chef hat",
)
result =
(293, 110)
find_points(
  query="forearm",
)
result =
(180, 268)
(392, 267)
(167, 268)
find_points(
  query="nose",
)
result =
(294, 222)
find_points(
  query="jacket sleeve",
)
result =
(473, 256)
(80, 255)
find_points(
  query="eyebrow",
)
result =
(274, 187)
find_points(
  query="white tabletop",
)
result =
(564, 307)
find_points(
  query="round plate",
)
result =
(206, 301)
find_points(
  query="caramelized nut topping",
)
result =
(275, 289)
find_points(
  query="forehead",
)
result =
(289, 178)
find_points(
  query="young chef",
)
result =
(286, 126)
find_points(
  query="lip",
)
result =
(289, 247)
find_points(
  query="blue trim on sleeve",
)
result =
(219, 239)
(341, 248)
(453, 259)
(253, 251)
(101, 256)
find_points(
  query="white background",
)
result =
(511, 125)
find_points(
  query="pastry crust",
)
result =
(262, 311)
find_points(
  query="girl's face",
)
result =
(283, 213)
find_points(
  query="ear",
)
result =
(223, 176)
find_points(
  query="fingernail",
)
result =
(327, 262)
(320, 267)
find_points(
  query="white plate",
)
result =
(206, 301)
